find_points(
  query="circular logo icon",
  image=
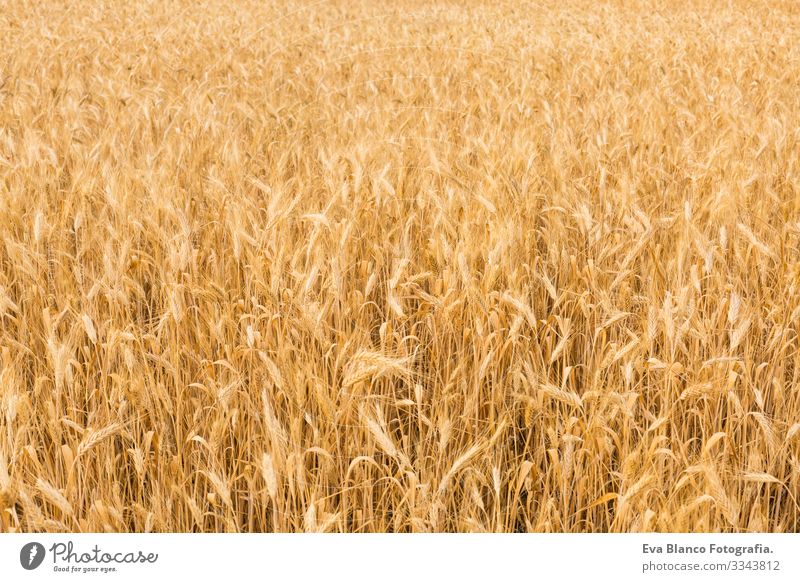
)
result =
(31, 555)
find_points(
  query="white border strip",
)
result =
(401, 558)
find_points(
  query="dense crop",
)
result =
(399, 266)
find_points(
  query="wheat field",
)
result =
(368, 266)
